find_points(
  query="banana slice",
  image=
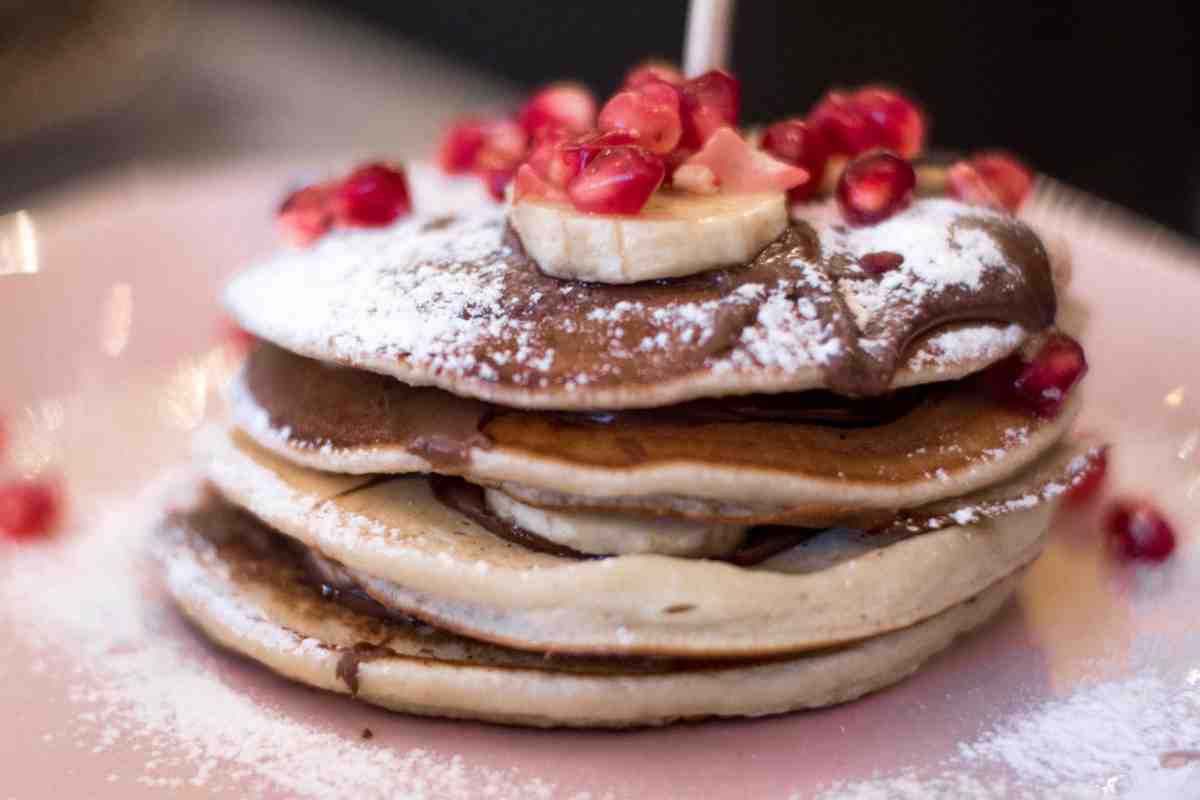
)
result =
(603, 533)
(675, 234)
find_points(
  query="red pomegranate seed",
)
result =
(1039, 386)
(1009, 179)
(797, 142)
(964, 183)
(708, 102)
(894, 121)
(871, 117)
(653, 70)
(306, 214)
(372, 195)
(578, 152)
(875, 186)
(461, 145)
(842, 125)
(1091, 481)
(649, 113)
(28, 508)
(1045, 382)
(995, 180)
(504, 145)
(737, 166)
(618, 180)
(880, 262)
(1138, 531)
(569, 106)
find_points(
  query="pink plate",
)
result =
(112, 352)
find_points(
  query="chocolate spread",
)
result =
(573, 321)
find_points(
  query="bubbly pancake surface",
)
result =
(459, 306)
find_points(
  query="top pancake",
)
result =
(455, 303)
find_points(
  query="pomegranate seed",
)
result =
(880, 262)
(964, 183)
(871, 117)
(1091, 481)
(1138, 531)
(1010, 180)
(875, 186)
(569, 106)
(461, 145)
(504, 145)
(995, 180)
(579, 152)
(653, 70)
(618, 180)
(372, 195)
(650, 113)
(739, 167)
(1040, 386)
(842, 125)
(894, 121)
(708, 102)
(797, 142)
(306, 214)
(28, 508)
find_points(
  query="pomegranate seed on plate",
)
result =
(738, 166)
(1138, 531)
(841, 124)
(504, 146)
(1091, 481)
(28, 508)
(797, 142)
(653, 70)
(306, 214)
(569, 106)
(875, 186)
(528, 184)
(372, 195)
(461, 145)
(880, 262)
(650, 113)
(617, 180)
(1042, 385)
(708, 102)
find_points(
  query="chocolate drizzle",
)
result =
(585, 328)
(352, 659)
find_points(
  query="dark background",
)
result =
(1101, 95)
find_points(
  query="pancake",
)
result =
(459, 306)
(254, 603)
(953, 440)
(415, 554)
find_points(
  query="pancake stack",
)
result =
(452, 484)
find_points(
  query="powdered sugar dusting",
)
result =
(139, 687)
(433, 302)
(1103, 740)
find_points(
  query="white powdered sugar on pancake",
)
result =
(426, 300)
